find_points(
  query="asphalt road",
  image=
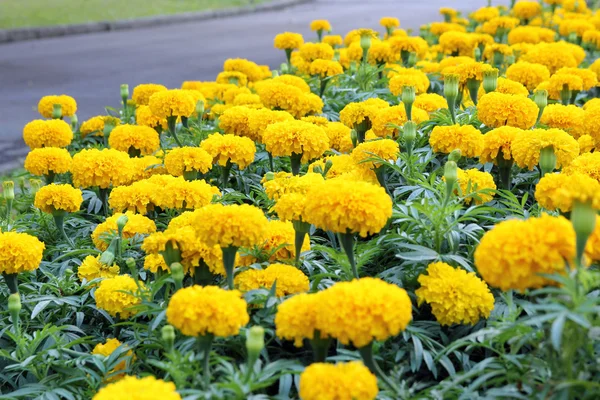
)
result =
(91, 67)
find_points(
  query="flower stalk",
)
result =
(347, 243)
(229, 263)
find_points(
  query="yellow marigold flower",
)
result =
(559, 81)
(229, 148)
(506, 86)
(101, 168)
(261, 118)
(199, 311)
(155, 262)
(112, 296)
(144, 117)
(235, 121)
(276, 94)
(356, 113)
(285, 182)
(291, 207)
(574, 6)
(107, 348)
(561, 191)
(48, 160)
(182, 194)
(589, 78)
(295, 137)
(91, 268)
(55, 197)
(148, 388)
(314, 51)
(320, 25)
(325, 68)
(136, 225)
(428, 67)
(455, 295)
(505, 23)
(96, 124)
(50, 133)
(67, 103)
(187, 159)
(515, 252)
(586, 144)
(348, 207)
(141, 196)
(592, 249)
(142, 93)
(290, 280)
(471, 70)
(338, 165)
(473, 180)
(493, 48)
(401, 77)
(351, 380)
(175, 102)
(145, 167)
(457, 43)
(591, 123)
(499, 109)
(333, 40)
(592, 38)
(439, 28)
(288, 41)
(231, 225)
(445, 139)
(134, 138)
(339, 137)
(316, 120)
(363, 310)
(279, 243)
(249, 100)
(528, 74)
(235, 77)
(297, 316)
(389, 22)
(429, 102)
(577, 26)
(293, 81)
(526, 147)
(530, 34)
(552, 55)
(386, 149)
(568, 118)
(381, 52)
(591, 103)
(484, 14)
(248, 68)
(498, 141)
(19, 252)
(412, 44)
(526, 10)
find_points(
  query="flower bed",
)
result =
(385, 216)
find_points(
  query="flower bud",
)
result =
(354, 137)
(108, 127)
(168, 336)
(9, 190)
(177, 272)
(455, 155)
(365, 41)
(547, 160)
(412, 59)
(409, 135)
(200, 108)
(541, 98)
(450, 176)
(408, 95)
(490, 80)
(121, 222)
(56, 111)
(477, 53)
(108, 257)
(336, 55)
(34, 186)
(14, 303)
(124, 92)
(74, 121)
(451, 86)
(328, 165)
(583, 218)
(255, 343)
(284, 68)
(275, 73)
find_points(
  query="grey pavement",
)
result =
(91, 67)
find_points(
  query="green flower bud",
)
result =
(477, 53)
(255, 343)
(455, 155)
(284, 68)
(354, 137)
(583, 218)
(540, 98)
(490, 80)
(450, 176)
(74, 120)
(275, 73)
(547, 160)
(168, 336)
(412, 59)
(365, 41)
(34, 186)
(269, 176)
(121, 222)
(14, 303)
(200, 107)
(9, 190)
(56, 111)
(177, 272)
(107, 258)
(124, 92)
(451, 86)
(408, 94)
(409, 135)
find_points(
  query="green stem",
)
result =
(205, 344)
(288, 56)
(347, 243)
(320, 347)
(103, 194)
(366, 353)
(190, 175)
(172, 124)
(12, 282)
(202, 275)
(296, 162)
(59, 220)
(504, 170)
(322, 87)
(452, 108)
(408, 109)
(361, 129)
(225, 171)
(300, 231)
(229, 263)
(117, 327)
(9, 204)
(49, 177)
(271, 164)
(380, 174)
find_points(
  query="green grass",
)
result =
(24, 13)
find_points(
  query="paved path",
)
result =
(91, 67)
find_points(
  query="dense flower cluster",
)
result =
(351, 380)
(118, 296)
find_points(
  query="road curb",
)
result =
(20, 34)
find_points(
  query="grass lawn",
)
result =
(22, 13)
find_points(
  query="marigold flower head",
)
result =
(499, 109)
(339, 137)
(91, 268)
(386, 149)
(285, 182)
(320, 25)
(589, 78)
(19, 252)
(147, 166)
(530, 34)
(383, 310)
(141, 138)
(276, 94)
(526, 10)
(48, 160)
(333, 40)
(47, 133)
(248, 100)
(155, 262)
(106, 349)
(473, 180)
(348, 207)
(568, 118)
(455, 295)
(112, 296)
(586, 144)
(101, 168)
(527, 146)
(562, 191)
(288, 280)
(229, 148)
(57, 197)
(411, 44)
(288, 41)
(141, 196)
(351, 380)
(558, 82)
(279, 243)
(515, 252)
(136, 225)
(505, 23)
(199, 311)
(576, 26)
(506, 86)
(574, 6)
(428, 67)
(175, 102)
(315, 51)
(445, 139)
(96, 124)
(457, 43)
(258, 120)
(498, 141)
(248, 68)
(325, 68)
(67, 103)
(381, 52)
(389, 22)
(235, 77)
(440, 28)
(429, 102)
(528, 74)
(401, 77)
(592, 38)
(552, 55)
(147, 388)
(182, 194)
(592, 248)
(295, 137)
(187, 159)
(231, 225)
(356, 113)
(144, 117)
(142, 93)
(484, 14)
